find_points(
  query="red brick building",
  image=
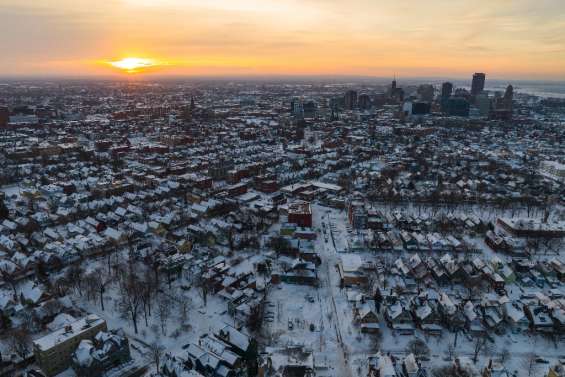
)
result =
(300, 213)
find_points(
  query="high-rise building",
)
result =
(426, 92)
(365, 101)
(478, 83)
(309, 108)
(508, 97)
(446, 90)
(350, 99)
(4, 116)
(458, 106)
(503, 105)
(396, 94)
(483, 103)
(297, 107)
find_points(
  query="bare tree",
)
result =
(9, 278)
(529, 363)
(418, 347)
(96, 283)
(19, 342)
(450, 351)
(255, 319)
(150, 287)
(59, 286)
(480, 346)
(156, 353)
(131, 296)
(504, 355)
(202, 284)
(183, 309)
(73, 276)
(452, 371)
(163, 311)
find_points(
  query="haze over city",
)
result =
(291, 188)
(519, 39)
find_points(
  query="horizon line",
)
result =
(255, 77)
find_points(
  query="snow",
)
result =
(83, 353)
(52, 339)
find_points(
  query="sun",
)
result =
(134, 65)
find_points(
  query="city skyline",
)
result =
(509, 40)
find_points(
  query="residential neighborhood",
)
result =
(274, 229)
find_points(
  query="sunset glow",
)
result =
(134, 65)
(436, 38)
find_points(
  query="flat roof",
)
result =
(65, 333)
(299, 208)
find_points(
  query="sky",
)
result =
(520, 39)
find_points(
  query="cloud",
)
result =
(326, 36)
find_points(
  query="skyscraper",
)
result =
(297, 107)
(426, 92)
(483, 103)
(4, 116)
(508, 97)
(478, 84)
(446, 90)
(396, 94)
(364, 101)
(458, 106)
(350, 99)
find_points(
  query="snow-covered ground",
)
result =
(357, 346)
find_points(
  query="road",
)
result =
(329, 290)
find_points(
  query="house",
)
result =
(539, 318)
(93, 358)
(427, 318)
(350, 270)
(32, 293)
(412, 368)
(516, 318)
(398, 318)
(176, 366)
(299, 272)
(239, 342)
(473, 323)
(292, 360)
(381, 366)
(367, 318)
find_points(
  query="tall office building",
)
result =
(350, 99)
(478, 84)
(4, 116)
(446, 90)
(457, 106)
(483, 104)
(297, 107)
(508, 97)
(365, 101)
(396, 94)
(309, 108)
(426, 92)
(503, 105)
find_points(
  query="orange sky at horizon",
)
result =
(518, 39)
